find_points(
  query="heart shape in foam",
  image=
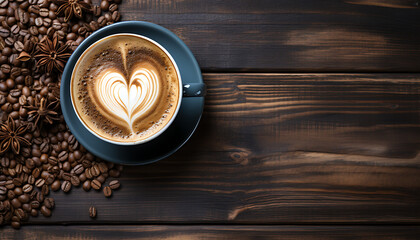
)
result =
(128, 100)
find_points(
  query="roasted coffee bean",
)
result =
(3, 190)
(35, 204)
(4, 32)
(31, 179)
(92, 212)
(78, 169)
(4, 3)
(24, 198)
(107, 191)
(114, 184)
(96, 11)
(15, 29)
(43, 12)
(27, 207)
(39, 21)
(5, 68)
(20, 213)
(66, 186)
(40, 182)
(102, 167)
(17, 181)
(45, 211)
(55, 186)
(49, 203)
(34, 213)
(104, 5)
(66, 176)
(75, 181)
(86, 185)
(39, 197)
(101, 21)
(45, 190)
(15, 224)
(114, 173)
(95, 184)
(63, 156)
(16, 203)
(113, 7)
(18, 191)
(95, 170)
(88, 173)
(27, 188)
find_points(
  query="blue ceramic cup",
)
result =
(190, 103)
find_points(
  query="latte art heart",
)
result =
(128, 99)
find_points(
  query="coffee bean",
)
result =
(107, 191)
(75, 181)
(19, 46)
(92, 212)
(43, 12)
(45, 190)
(45, 211)
(116, 16)
(27, 207)
(78, 169)
(3, 190)
(4, 32)
(35, 204)
(95, 184)
(34, 213)
(4, 3)
(20, 213)
(15, 224)
(95, 170)
(86, 185)
(104, 5)
(101, 21)
(103, 168)
(63, 156)
(66, 186)
(49, 203)
(96, 11)
(93, 26)
(114, 184)
(16, 203)
(66, 176)
(18, 191)
(24, 198)
(39, 21)
(5, 68)
(39, 182)
(113, 7)
(55, 186)
(114, 173)
(88, 173)
(27, 188)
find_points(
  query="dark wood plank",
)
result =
(280, 148)
(301, 35)
(212, 232)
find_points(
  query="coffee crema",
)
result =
(125, 88)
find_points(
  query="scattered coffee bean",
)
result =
(86, 185)
(107, 191)
(45, 211)
(66, 186)
(114, 184)
(96, 184)
(92, 212)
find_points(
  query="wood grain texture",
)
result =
(212, 232)
(301, 35)
(280, 148)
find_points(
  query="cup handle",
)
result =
(194, 90)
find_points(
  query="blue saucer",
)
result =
(180, 130)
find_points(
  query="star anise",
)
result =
(11, 136)
(52, 55)
(72, 8)
(42, 110)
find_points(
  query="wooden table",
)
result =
(310, 130)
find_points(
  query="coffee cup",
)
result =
(127, 89)
(129, 142)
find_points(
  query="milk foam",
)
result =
(125, 88)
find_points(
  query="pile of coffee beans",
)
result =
(29, 97)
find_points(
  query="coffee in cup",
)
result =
(126, 88)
